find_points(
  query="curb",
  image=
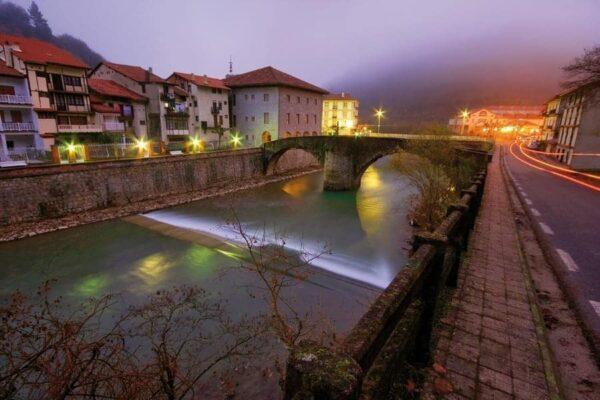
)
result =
(558, 267)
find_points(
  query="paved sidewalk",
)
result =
(489, 346)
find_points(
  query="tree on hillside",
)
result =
(41, 28)
(79, 48)
(14, 19)
(584, 69)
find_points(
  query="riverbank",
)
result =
(28, 229)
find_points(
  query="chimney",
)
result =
(148, 73)
(8, 55)
(205, 79)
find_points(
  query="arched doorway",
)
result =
(287, 135)
(315, 133)
(306, 133)
(266, 137)
(297, 134)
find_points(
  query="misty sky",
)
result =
(318, 40)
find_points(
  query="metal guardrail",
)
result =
(17, 126)
(15, 99)
(396, 330)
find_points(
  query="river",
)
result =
(365, 234)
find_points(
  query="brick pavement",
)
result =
(489, 346)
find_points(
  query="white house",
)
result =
(267, 104)
(207, 103)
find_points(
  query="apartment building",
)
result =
(18, 125)
(267, 104)
(579, 127)
(167, 107)
(57, 85)
(207, 103)
(551, 120)
(118, 110)
(340, 114)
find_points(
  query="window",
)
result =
(214, 90)
(288, 118)
(197, 118)
(266, 97)
(234, 120)
(307, 118)
(142, 122)
(251, 97)
(246, 118)
(315, 101)
(298, 100)
(220, 120)
(315, 118)
(266, 118)
(219, 91)
(225, 102)
(246, 97)
(289, 98)
(252, 119)
(307, 100)
(143, 88)
(10, 90)
(72, 80)
(298, 117)
(196, 103)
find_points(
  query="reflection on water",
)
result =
(91, 286)
(151, 269)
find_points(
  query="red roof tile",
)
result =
(105, 109)
(269, 76)
(110, 88)
(338, 96)
(136, 73)
(5, 70)
(39, 52)
(200, 80)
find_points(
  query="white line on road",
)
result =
(568, 260)
(596, 306)
(546, 229)
(529, 202)
(535, 212)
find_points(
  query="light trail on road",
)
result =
(569, 170)
(560, 175)
(548, 153)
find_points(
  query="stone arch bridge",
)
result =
(345, 158)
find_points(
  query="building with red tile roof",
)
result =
(269, 76)
(166, 110)
(208, 104)
(117, 108)
(200, 80)
(267, 104)
(5, 70)
(57, 82)
(36, 51)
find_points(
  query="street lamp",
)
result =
(464, 114)
(379, 114)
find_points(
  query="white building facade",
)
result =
(267, 104)
(208, 106)
(340, 114)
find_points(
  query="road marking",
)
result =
(568, 260)
(529, 202)
(535, 212)
(596, 306)
(546, 229)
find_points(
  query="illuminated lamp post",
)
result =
(379, 114)
(143, 148)
(236, 140)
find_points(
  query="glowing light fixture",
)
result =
(379, 114)
(71, 148)
(236, 140)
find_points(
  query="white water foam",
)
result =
(335, 263)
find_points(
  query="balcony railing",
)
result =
(15, 99)
(79, 128)
(183, 131)
(113, 126)
(17, 126)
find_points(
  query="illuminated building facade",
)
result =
(340, 114)
(579, 128)
(551, 120)
(267, 104)
(499, 120)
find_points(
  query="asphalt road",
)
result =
(569, 217)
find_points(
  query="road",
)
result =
(569, 217)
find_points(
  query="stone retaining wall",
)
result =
(49, 192)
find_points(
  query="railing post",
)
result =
(55, 154)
